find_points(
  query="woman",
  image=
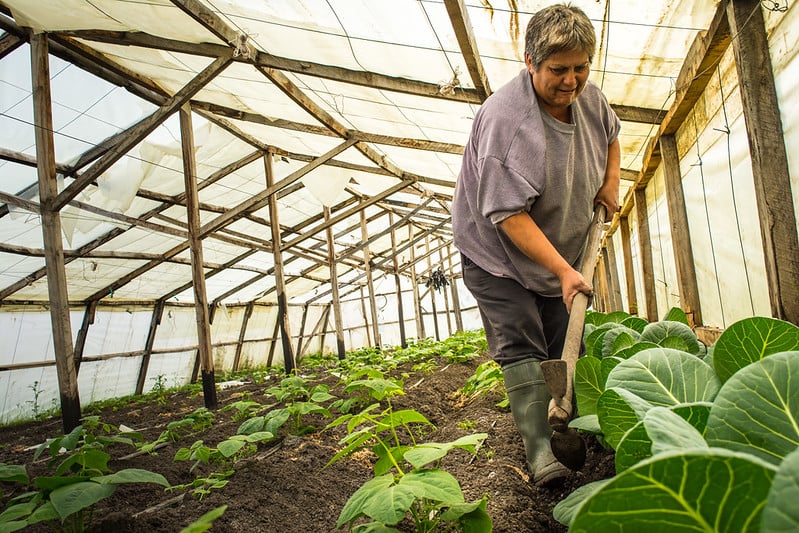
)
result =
(542, 152)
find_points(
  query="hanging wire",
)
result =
(707, 217)
(732, 187)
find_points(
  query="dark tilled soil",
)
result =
(284, 487)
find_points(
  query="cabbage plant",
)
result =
(706, 438)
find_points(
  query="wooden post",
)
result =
(417, 301)
(280, 282)
(680, 232)
(80, 341)
(456, 302)
(614, 288)
(331, 260)
(367, 265)
(365, 318)
(769, 160)
(155, 321)
(629, 271)
(432, 291)
(646, 255)
(400, 312)
(51, 232)
(446, 296)
(242, 332)
(201, 312)
(302, 331)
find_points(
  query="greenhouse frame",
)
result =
(190, 187)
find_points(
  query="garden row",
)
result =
(407, 482)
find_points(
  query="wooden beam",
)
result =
(397, 284)
(155, 321)
(417, 302)
(61, 327)
(456, 301)
(680, 231)
(459, 17)
(140, 130)
(644, 241)
(331, 263)
(306, 68)
(201, 311)
(769, 159)
(280, 283)
(248, 204)
(347, 213)
(9, 43)
(367, 267)
(83, 332)
(242, 333)
(629, 270)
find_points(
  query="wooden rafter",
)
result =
(141, 129)
(459, 17)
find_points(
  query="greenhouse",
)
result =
(200, 195)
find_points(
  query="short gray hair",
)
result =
(559, 28)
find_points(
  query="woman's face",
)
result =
(559, 80)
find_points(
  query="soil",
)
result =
(285, 486)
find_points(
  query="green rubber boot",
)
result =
(529, 403)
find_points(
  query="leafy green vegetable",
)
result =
(757, 409)
(664, 376)
(692, 490)
(751, 340)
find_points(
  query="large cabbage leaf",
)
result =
(673, 334)
(619, 410)
(709, 489)
(757, 409)
(781, 514)
(665, 377)
(750, 340)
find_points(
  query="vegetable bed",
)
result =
(283, 484)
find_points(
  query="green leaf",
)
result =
(251, 425)
(750, 340)
(229, 447)
(593, 341)
(428, 452)
(608, 364)
(781, 514)
(375, 527)
(472, 517)
(387, 458)
(634, 447)
(635, 322)
(78, 496)
(665, 377)
(696, 490)
(588, 423)
(565, 511)
(434, 485)
(668, 333)
(675, 314)
(205, 522)
(18, 510)
(378, 388)
(757, 409)
(639, 346)
(619, 410)
(132, 475)
(617, 339)
(13, 474)
(669, 431)
(45, 513)
(379, 499)
(50, 483)
(588, 384)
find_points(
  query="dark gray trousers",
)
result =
(519, 323)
